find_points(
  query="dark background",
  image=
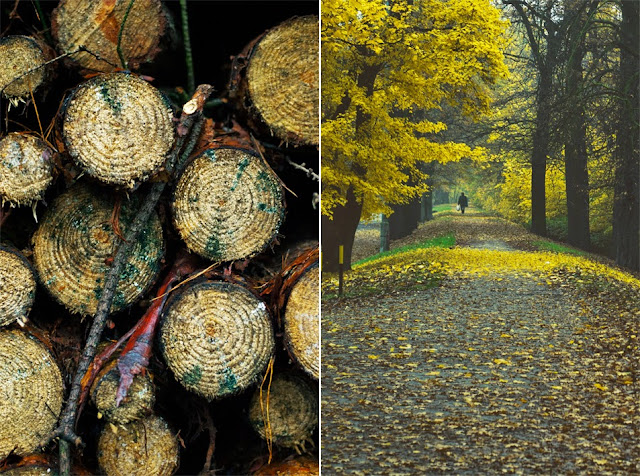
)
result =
(218, 30)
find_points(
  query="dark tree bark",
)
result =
(575, 149)
(341, 230)
(426, 212)
(384, 234)
(426, 203)
(545, 59)
(626, 205)
(404, 219)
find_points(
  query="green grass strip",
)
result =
(445, 241)
(557, 248)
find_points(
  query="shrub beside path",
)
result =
(517, 362)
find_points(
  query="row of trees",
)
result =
(570, 125)
(555, 139)
(388, 68)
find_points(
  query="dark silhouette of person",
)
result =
(463, 202)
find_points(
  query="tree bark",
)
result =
(340, 230)
(576, 173)
(545, 59)
(384, 234)
(404, 219)
(539, 154)
(626, 205)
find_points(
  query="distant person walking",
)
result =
(463, 202)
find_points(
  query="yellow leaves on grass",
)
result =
(502, 361)
(427, 266)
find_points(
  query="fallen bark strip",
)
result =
(191, 114)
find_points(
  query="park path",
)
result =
(483, 375)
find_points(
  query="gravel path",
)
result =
(485, 375)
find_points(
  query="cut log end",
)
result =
(302, 322)
(138, 448)
(228, 205)
(75, 242)
(118, 128)
(217, 338)
(138, 403)
(31, 392)
(19, 54)
(18, 288)
(26, 168)
(96, 26)
(293, 411)
(283, 80)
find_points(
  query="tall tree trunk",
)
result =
(426, 212)
(545, 59)
(404, 219)
(626, 204)
(540, 152)
(340, 230)
(575, 149)
(384, 234)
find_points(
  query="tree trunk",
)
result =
(338, 231)
(539, 154)
(576, 173)
(426, 207)
(384, 234)
(404, 219)
(626, 206)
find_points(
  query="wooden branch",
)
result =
(309, 171)
(66, 428)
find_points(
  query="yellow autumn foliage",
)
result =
(385, 65)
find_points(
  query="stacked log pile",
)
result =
(158, 240)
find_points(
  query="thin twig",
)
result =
(41, 17)
(257, 147)
(310, 172)
(211, 429)
(12, 15)
(266, 419)
(66, 427)
(119, 48)
(188, 56)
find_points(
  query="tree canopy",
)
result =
(386, 67)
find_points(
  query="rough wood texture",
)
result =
(19, 54)
(228, 204)
(217, 338)
(26, 168)
(118, 128)
(17, 286)
(138, 403)
(75, 242)
(96, 26)
(139, 448)
(302, 322)
(31, 392)
(292, 411)
(282, 80)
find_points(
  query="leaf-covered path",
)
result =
(517, 371)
